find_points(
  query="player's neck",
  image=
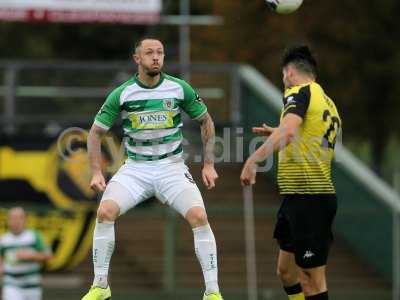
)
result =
(301, 80)
(147, 80)
(17, 232)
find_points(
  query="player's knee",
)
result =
(108, 211)
(313, 284)
(306, 286)
(197, 216)
(310, 288)
(287, 277)
(316, 286)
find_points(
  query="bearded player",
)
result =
(150, 104)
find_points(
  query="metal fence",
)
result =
(64, 93)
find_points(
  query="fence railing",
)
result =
(61, 93)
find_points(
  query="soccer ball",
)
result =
(284, 6)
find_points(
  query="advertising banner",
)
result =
(82, 11)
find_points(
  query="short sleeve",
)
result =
(192, 104)
(109, 112)
(297, 103)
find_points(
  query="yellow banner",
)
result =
(62, 174)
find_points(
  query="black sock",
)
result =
(293, 290)
(322, 296)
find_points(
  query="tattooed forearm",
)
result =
(208, 137)
(94, 147)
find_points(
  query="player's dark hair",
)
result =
(302, 58)
(139, 42)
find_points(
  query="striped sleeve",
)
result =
(192, 104)
(110, 110)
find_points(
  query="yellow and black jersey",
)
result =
(305, 164)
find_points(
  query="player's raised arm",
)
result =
(96, 133)
(207, 128)
(279, 138)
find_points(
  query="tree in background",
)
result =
(356, 44)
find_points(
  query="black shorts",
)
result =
(304, 227)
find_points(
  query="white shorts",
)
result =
(16, 293)
(169, 181)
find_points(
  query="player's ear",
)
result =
(136, 58)
(289, 71)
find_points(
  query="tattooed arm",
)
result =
(97, 183)
(208, 137)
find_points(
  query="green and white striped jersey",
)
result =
(24, 274)
(151, 116)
